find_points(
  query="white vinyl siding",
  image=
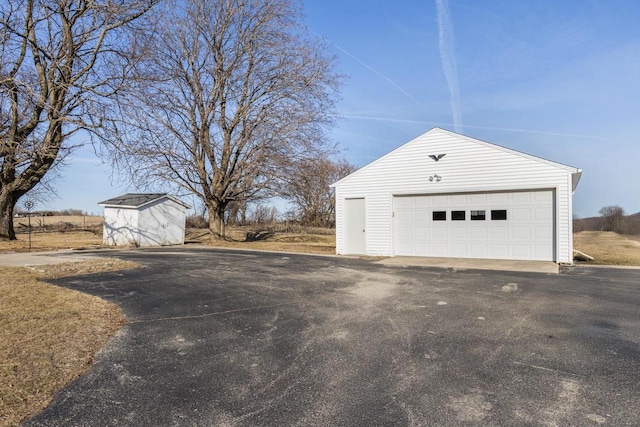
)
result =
(161, 224)
(469, 166)
(120, 227)
(156, 224)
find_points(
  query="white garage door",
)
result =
(503, 225)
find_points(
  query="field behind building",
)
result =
(55, 232)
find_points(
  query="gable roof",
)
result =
(576, 172)
(139, 200)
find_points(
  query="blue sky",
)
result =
(556, 79)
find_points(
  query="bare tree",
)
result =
(240, 88)
(307, 187)
(613, 219)
(262, 214)
(236, 213)
(60, 60)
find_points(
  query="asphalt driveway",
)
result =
(235, 338)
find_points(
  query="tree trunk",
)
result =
(7, 203)
(216, 221)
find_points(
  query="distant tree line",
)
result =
(612, 218)
(64, 212)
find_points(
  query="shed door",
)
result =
(502, 225)
(355, 230)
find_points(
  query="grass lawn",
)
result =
(52, 240)
(608, 248)
(49, 334)
(55, 232)
(319, 242)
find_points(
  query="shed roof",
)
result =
(138, 200)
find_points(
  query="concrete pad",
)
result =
(30, 259)
(473, 264)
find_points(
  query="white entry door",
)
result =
(515, 225)
(354, 227)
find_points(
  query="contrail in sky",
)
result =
(447, 56)
(370, 68)
(385, 119)
(455, 100)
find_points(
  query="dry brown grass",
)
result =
(283, 242)
(608, 248)
(55, 232)
(49, 334)
(52, 240)
(53, 221)
(89, 266)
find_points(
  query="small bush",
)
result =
(263, 215)
(315, 230)
(297, 228)
(197, 221)
(62, 226)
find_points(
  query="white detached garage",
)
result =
(148, 219)
(448, 195)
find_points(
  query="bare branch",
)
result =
(234, 91)
(61, 63)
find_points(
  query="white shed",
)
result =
(449, 195)
(155, 219)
